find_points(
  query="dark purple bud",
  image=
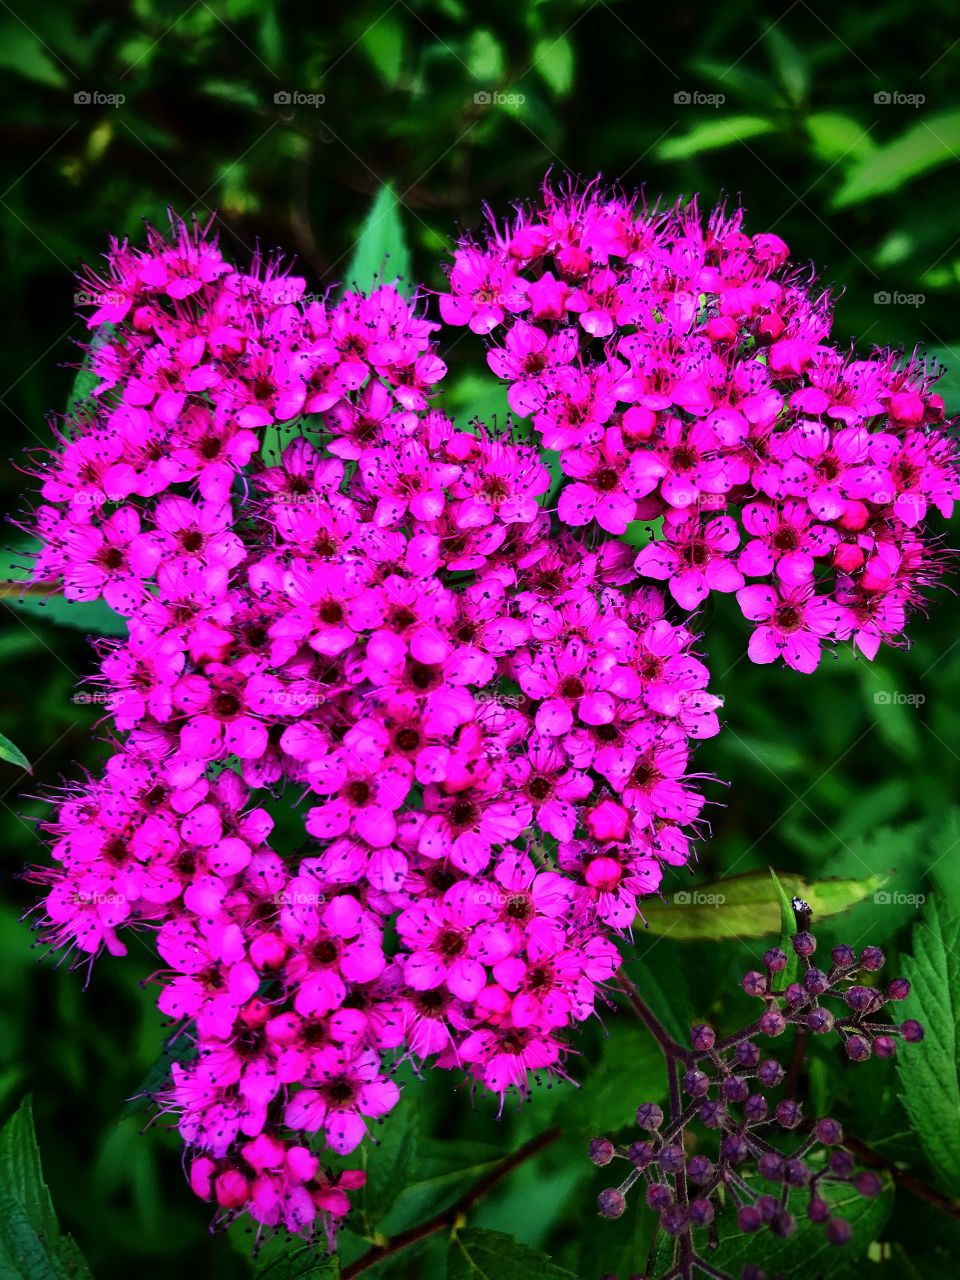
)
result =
(898, 989)
(842, 1163)
(804, 944)
(701, 1213)
(734, 1149)
(703, 1038)
(671, 1158)
(770, 1073)
(673, 1220)
(828, 1132)
(641, 1153)
(754, 983)
(844, 957)
(818, 1210)
(700, 1169)
(795, 995)
(713, 1113)
(868, 1183)
(749, 1219)
(770, 1166)
(820, 1020)
(735, 1089)
(816, 982)
(773, 1023)
(872, 959)
(747, 1054)
(611, 1203)
(601, 1151)
(775, 960)
(783, 1225)
(796, 1173)
(858, 1048)
(755, 1109)
(659, 1196)
(649, 1116)
(753, 1272)
(769, 1207)
(839, 1231)
(884, 1046)
(696, 1083)
(860, 999)
(788, 1113)
(912, 1031)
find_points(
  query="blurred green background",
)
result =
(837, 126)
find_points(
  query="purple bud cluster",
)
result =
(725, 1085)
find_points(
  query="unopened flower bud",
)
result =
(828, 1131)
(839, 1231)
(858, 1048)
(696, 1083)
(659, 1196)
(702, 1212)
(601, 1151)
(788, 1113)
(804, 944)
(754, 983)
(611, 1203)
(868, 1183)
(700, 1169)
(898, 989)
(912, 1031)
(703, 1038)
(749, 1219)
(820, 1020)
(770, 1073)
(772, 1023)
(775, 960)
(649, 1116)
(872, 959)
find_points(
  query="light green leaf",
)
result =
(10, 752)
(382, 42)
(834, 136)
(788, 927)
(32, 1246)
(931, 142)
(789, 62)
(389, 1164)
(713, 134)
(381, 254)
(491, 1255)
(553, 60)
(747, 906)
(928, 1072)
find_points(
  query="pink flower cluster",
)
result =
(490, 737)
(684, 371)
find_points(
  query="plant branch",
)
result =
(903, 1177)
(650, 1020)
(450, 1217)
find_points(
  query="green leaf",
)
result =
(491, 1255)
(390, 1163)
(302, 1264)
(382, 42)
(23, 598)
(11, 752)
(381, 255)
(788, 927)
(32, 1246)
(789, 62)
(933, 141)
(713, 134)
(748, 906)
(834, 136)
(928, 1072)
(553, 60)
(442, 1172)
(808, 1252)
